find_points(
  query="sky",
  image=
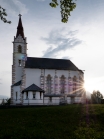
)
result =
(81, 39)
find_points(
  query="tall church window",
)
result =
(74, 83)
(56, 84)
(62, 83)
(48, 84)
(70, 84)
(19, 49)
(81, 82)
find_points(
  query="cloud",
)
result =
(5, 72)
(66, 57)
(14, 7)
(0, 81)
(60, 40)
(21, 7)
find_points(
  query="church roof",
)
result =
(20, 30)
(48, 63)
(17, 83)
(33, 87)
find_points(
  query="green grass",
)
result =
(58, 122)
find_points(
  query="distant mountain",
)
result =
(2, 96)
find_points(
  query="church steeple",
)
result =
(20, 30)
(19, 53)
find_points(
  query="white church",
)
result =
(43, 81)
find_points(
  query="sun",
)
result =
(88, 87)
(91, 85)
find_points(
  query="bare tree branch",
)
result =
(2, 14)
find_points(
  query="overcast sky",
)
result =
(81, 39)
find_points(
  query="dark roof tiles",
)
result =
(17, 83)
(48, 63)
(33, 87)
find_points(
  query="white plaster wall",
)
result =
(16, 89)
(31, 100)
(32, 76)
(37, 95)
(46, 100)
(24, 95)
(54, 101)
(68, 100)
(78, 100)
(18, 69)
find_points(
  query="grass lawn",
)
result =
(53, 122)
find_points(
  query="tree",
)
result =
(6, 102)
(2, 14)
(66, 7)
(96, 97)
(3, 102)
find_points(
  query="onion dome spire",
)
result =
(20, 30)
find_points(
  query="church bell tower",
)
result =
(19, 53)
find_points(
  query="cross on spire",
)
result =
(19, 15)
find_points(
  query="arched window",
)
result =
(48, 84)
(55, 83)
(74, 83)
(62, 83)
(81, 82)
(70, 84)
(19, 49)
